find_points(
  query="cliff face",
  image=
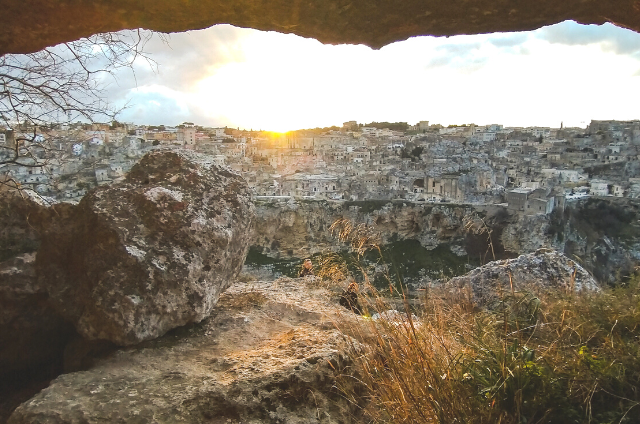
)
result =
(599, 234)
(300, 229)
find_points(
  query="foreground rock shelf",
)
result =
(269, 353)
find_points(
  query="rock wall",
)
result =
(32, 335)
(602, 235)
(298, 229)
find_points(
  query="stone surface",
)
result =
(32, 335)
(269, 353)
(301, 229)
(138, 258)
(30, 25)
(543, 269)
(21, 217)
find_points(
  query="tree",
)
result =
(59, 85)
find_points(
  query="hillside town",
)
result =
(533, 170)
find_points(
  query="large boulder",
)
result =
(138, 258)
(544, 269)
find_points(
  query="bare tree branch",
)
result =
(57, 86)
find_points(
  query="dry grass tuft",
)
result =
(551, 357)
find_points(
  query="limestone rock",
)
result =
(330, 21)
(542, 269)
(269, 353)
(21, 216)
(138, 258)
(302, 229)
(32, 335)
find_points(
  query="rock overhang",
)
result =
(30, 25)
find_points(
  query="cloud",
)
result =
(612, 39)
(156, 108)
(509, 40)
(181, 60)
(240, 77)
(453, 54)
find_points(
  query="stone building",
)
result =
(445, 186)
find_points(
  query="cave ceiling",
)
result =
(30, 25)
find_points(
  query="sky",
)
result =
(237, 77)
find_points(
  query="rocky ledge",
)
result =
(270, 352)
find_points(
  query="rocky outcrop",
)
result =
(302, 228)
(32, 335)
(21, 218)
(138, 258)
(544, 269)
(269, 353)
(602, 234)
(330, 21)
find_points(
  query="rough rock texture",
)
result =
(138, 258)
(30, 25)
(540, 270)
(21, 218)
(603, 234)
(269, 353)
(526, 234)
(32, 335)
(301, 229)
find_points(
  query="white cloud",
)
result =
(240, 77)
